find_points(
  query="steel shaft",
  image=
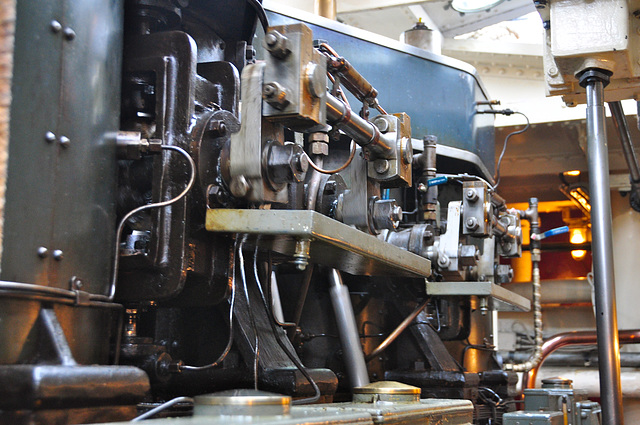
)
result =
(602, 248)
(348, 331)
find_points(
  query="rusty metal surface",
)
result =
(332, 243)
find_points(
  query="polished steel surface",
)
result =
(503, 299)
(348, 331)
(332, 243)
(602, 248)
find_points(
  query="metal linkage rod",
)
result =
(348, 330)
(594, 80)
(360, 130)
(620, 123)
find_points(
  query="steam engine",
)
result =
(203, 196)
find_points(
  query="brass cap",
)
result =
(387, 387)
(386, 391)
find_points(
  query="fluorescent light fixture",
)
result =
(471, 6)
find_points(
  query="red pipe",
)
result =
(573, 338)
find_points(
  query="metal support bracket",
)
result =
(331, 243)
(500, 299)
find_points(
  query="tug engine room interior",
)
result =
(230, 211)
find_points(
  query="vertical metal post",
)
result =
(594, 81)
(348, 331)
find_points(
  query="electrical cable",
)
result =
(116, 260)
(260, 13)
(337, 170)
(232, 305)
(163, 406)
(291, 356)
(504, 147)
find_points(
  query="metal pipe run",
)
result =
(620, 122)
(564, 339)
(602, 247)
(348, 331)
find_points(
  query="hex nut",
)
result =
(381, 166)
(239, 186)
(319, 148)
(471, 223)
(471, 195)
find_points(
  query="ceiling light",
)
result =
(470, 6)
(578, 254)
(578, 235)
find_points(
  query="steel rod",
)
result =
(620, 122)
(602, 248)
(348, 331)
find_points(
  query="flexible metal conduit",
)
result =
(531, 214)
(573, 338)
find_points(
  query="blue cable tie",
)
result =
(437, 181)
(552, 232)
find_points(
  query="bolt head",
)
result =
(43, 252)
(58, 255)
(69, 34)
(381, 166)
(239, 186)
(49, 137)
(55, 26)
(444, 261)
(271, 39)
(269, 90)
(302, 163)
(471, 223)
(64, 141)
(382, 124)
(471, 195)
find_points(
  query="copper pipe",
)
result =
(573, 338)
(397, 331)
